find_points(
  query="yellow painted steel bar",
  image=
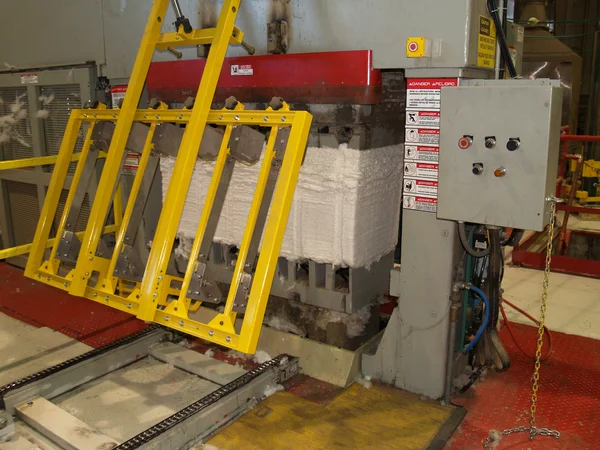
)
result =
(183, 116)
(61, 169)
(25, 248)
(39, 161)
(273, 234)
(135, 188)
(196, 37)
(112, 166)
(168, 223)
(54, 263)
(259, 191)
(206, 212)
(118, 204)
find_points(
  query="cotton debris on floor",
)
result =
(365, 381)
(345, 210)
(261, 357)
(270, 390)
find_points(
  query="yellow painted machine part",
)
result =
(155, 288)
(166, 230)
(359, 418)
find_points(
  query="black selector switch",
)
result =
(513, 144)
(490, 141)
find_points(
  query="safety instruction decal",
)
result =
(132, 162)
(421, 170)
(423, 136)
(242, 69)
(425, 93)
(421, 153)
(486, 47)
(422, 142)
(420, 203)
(29, 78)
(423, 119)
(420, 187)
(117, 93)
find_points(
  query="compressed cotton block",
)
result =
(345, 211)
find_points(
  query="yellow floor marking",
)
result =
(376, 418)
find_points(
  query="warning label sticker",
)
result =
(423, 136)
(419, 203)
(420, 187)
(425, 93)
(486, 48)
(423, 118)
(421, 170)
(29, 78)
(132, 161)
(242, 69)
(421, 153)
(117, 93)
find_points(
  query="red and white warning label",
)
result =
(419, 203)
(117, 93)
(423, 136)
(421, 153)
(420, 187)
(242, 69)
(29, 78)
(423, 119)
(425, 93)
(132, 162)
(421, 170)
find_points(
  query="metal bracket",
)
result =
(168, 139)
(246, 144)
(242, 293)
(129, 264)
(203, 285)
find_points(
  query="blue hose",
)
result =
(486, 318)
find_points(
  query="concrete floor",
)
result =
(573, 302)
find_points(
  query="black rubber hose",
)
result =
(462, 234)
(494, 277)
(493, 8)
(515, 237)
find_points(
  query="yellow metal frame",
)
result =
(154, 299)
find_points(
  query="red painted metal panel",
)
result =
(325, 77)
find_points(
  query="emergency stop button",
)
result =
(465, 142)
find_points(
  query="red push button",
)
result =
(465, 142)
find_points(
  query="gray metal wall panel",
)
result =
(51, 32)
(315, 25)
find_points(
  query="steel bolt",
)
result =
(283, 119)
(128, 305)
(91, 258)
(107, 298)
(66, 284)
(181, 323)
(228, 339)
(266, 118)
(87, 273)
(211, 332)
(159, 277)
(155, 294)
(237, 117)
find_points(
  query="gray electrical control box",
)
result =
(499, 151)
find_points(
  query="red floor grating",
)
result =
(43, 306)
(569, 397)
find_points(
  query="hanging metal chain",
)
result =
(532, 429)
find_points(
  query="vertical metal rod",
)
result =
(498, 50)
(177, 8)
(135, 189)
